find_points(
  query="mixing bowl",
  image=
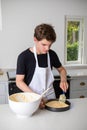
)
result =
(24, 104)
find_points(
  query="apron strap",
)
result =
(34, 48)
(35, 54)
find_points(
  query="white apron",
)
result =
(42, 79)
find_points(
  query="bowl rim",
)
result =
(25, 102)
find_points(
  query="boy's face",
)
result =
(43, 46)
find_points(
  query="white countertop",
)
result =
(77, 73)
(73, 119)
(3, 78)
(74, 73)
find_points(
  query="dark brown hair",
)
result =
(45, 31)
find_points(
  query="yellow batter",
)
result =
(56, 104)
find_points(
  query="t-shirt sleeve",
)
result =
(55, 60)
(20, 65)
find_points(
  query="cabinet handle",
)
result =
(82, 96)
(82, 83)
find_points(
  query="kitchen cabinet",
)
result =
(3, 93)
(77, 82)
(3, 88)
(78, 87)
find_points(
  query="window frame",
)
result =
(81, 40)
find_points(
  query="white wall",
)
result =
(0, 17)
(19, 18)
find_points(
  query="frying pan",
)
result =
(58, 109)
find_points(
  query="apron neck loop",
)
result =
(35, 54)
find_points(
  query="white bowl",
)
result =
(24, 104)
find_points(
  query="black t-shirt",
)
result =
(26, 63)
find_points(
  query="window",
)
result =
(74, 40)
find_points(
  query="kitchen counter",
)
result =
(76, 73)
(73, 73)
(73, 119)
(3, 77)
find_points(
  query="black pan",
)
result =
(57, 109)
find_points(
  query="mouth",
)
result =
(45, 52)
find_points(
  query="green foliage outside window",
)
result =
(72, 51)
(72, 40)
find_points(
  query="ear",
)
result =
(35, 39)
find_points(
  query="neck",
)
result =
(37, 50)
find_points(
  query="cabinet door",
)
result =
(2, 89)
(78, 87)
(79, 84)
(3, 93)
(78, 94)
(2, 99)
